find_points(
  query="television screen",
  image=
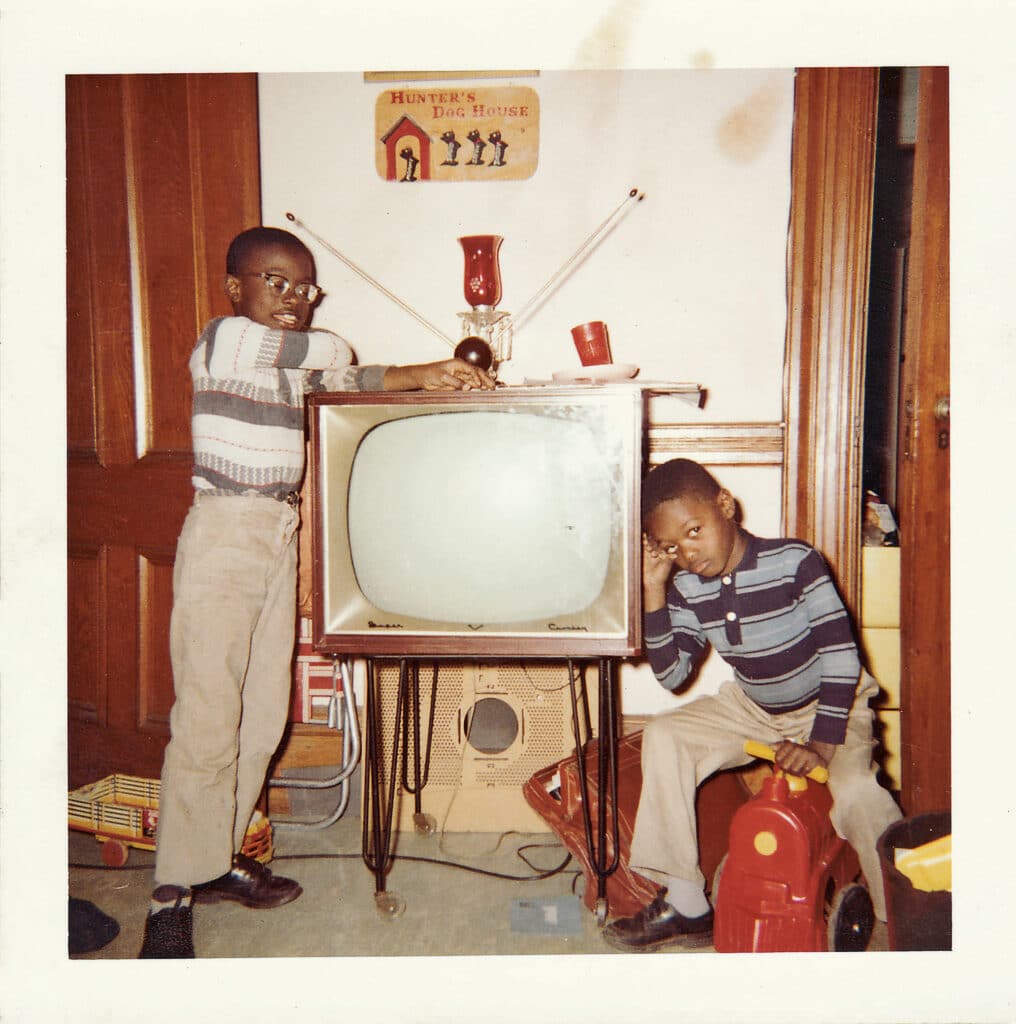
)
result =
(478, 523)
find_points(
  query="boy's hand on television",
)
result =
(801, 758)
(657, 567)
(446, 375)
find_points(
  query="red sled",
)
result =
(555, 793)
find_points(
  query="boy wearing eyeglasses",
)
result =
(234, 581)
(770, 609)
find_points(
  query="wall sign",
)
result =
(427, 131)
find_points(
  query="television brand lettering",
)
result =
(557, 628)
(384, 625)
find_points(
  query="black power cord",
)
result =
(539, 875)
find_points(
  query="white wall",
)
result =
(692, 281)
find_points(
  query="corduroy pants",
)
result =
(681, 749)
(231, 644)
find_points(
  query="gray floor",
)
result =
(448, 910)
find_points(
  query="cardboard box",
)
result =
(314, 681)
(881, 651)
(888, 733)
(880, 587)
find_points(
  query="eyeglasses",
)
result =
(282, 286)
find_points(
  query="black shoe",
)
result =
(659, 925)
(249, 883)
(169, 933)
(89, 928)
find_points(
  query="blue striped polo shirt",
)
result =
(779, 623)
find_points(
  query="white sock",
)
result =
(167, 896)
(686, 897)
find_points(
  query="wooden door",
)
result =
(923, 467)
(162, 171)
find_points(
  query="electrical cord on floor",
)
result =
(537, 877)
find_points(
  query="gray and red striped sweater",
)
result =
(247, 423)
(779, 623)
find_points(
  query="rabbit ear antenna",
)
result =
(404, 306)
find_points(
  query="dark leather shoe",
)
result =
(659, 925)
(169, 933)
(249, 883)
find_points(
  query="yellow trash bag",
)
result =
(927, 867)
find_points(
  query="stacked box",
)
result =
(880, 640)
(314, 681)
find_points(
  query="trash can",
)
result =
(916, 919)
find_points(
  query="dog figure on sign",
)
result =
(411, 164)
(499, 148)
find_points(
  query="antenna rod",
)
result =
(623, 208)
(370, 280)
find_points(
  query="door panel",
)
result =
(150, 211)
(99, 355)
(85, 679)
(155, 679)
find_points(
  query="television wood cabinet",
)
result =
(577, 447)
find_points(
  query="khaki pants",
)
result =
(681, 749)
(231, 644)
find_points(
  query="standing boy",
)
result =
(771, 611)
(234, 580)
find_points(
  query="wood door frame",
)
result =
(834, 136)
(924, 470)
(832, 185)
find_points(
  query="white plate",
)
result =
(597, 374)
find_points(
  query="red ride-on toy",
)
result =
(788, 881)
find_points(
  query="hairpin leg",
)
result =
(604, 849)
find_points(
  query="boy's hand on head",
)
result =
(657, 567)
(446, 375)
(801, 758)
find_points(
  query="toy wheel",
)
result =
(114, 853)
(851, 920)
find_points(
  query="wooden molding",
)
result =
(833, 168)
(718, 444)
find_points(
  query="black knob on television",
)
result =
(475, 351)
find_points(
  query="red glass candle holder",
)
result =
(481, 282)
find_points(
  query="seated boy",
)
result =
(770, 609)
(234, 582)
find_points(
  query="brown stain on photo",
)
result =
(745, 132)
(604, 46)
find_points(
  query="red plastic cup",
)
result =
(592, 342)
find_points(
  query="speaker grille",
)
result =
(491, 726)
(520, 714)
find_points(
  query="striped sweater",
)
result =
(777, 620)
(247, 422)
